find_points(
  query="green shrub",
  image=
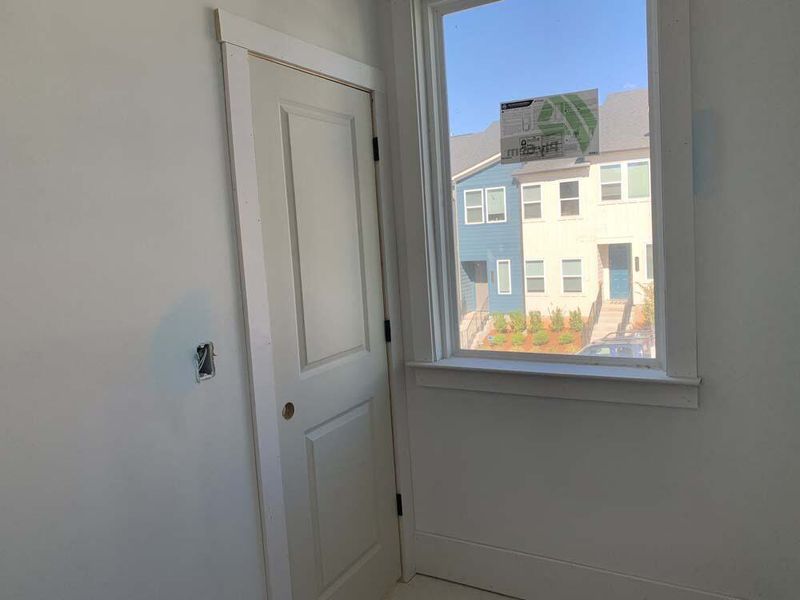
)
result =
(536, 323)
(498, 340)
(557, 319)
(517, 339)
(499, 322)
(540, 338)
(649, 305)
(517, 322)
(566, 338)
(576, 320)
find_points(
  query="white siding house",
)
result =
(586, 223)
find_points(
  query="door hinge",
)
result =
(387, 330)
(376, 155)
(399, 498)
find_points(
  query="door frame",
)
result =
(240, 38)
(629, 268)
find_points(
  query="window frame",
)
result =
(628, 197)
(486, 205)
(483, 207)
(543, 276)
(510, 291)
(540, 202)
(561, 214)
(421, 156)
(622, 170)
(564, 292)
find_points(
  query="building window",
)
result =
(504, 277)
(496, 205)
(572, 275)
(473, 207)
(534, 276)
(611, 182)
(570, 199)
(531, 202)
(639, 180)
(649, 261)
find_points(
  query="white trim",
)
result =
(525, 575)
(560, 199)
(486, 203)
(543, 277)
(279, 47)
(482, 207)
(476, 167)
(563, 291)
(257, 325)
(497, 271)
(540, 202)
(239, 38)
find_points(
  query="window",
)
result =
(531, 202)
(473, 207)
(460, 120)
(649, 261)
(611, 182)
(639, 179)
(534, 276)
(496, 205)
(504, 277)
(570, 201)
(571, 275)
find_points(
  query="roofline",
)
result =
(476, 167)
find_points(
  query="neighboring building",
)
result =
(489, 226)
(572, 230)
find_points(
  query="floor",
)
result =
(427, 588)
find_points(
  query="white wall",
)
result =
(120, 477)
(703, 500)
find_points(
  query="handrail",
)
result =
(626, 316)
(475, 324)
(594, 316)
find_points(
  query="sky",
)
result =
(517, 49)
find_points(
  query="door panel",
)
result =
(317, 195)
(619, 258)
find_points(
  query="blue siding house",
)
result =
(489, 237)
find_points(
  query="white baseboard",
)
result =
(531, 577)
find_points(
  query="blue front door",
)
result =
(619, 260)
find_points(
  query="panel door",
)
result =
(317, 194)
(619, 258)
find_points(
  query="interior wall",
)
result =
(704, 500)
(120, 476)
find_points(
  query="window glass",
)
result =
(570, 203)
(532, 202)
(571, 272)
(503, 277)
(537, 239)
(611, 182)
(649, 261)
(639, 180)
(473, 201)
(495, 205)
(534, 276)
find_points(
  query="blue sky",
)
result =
(515, 49)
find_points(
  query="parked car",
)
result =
(623, 348)
(644, 336)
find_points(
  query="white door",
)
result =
(317, 193)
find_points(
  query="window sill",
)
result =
(601, 383)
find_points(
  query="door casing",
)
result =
(239, 38)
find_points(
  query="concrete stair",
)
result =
(610, 320)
